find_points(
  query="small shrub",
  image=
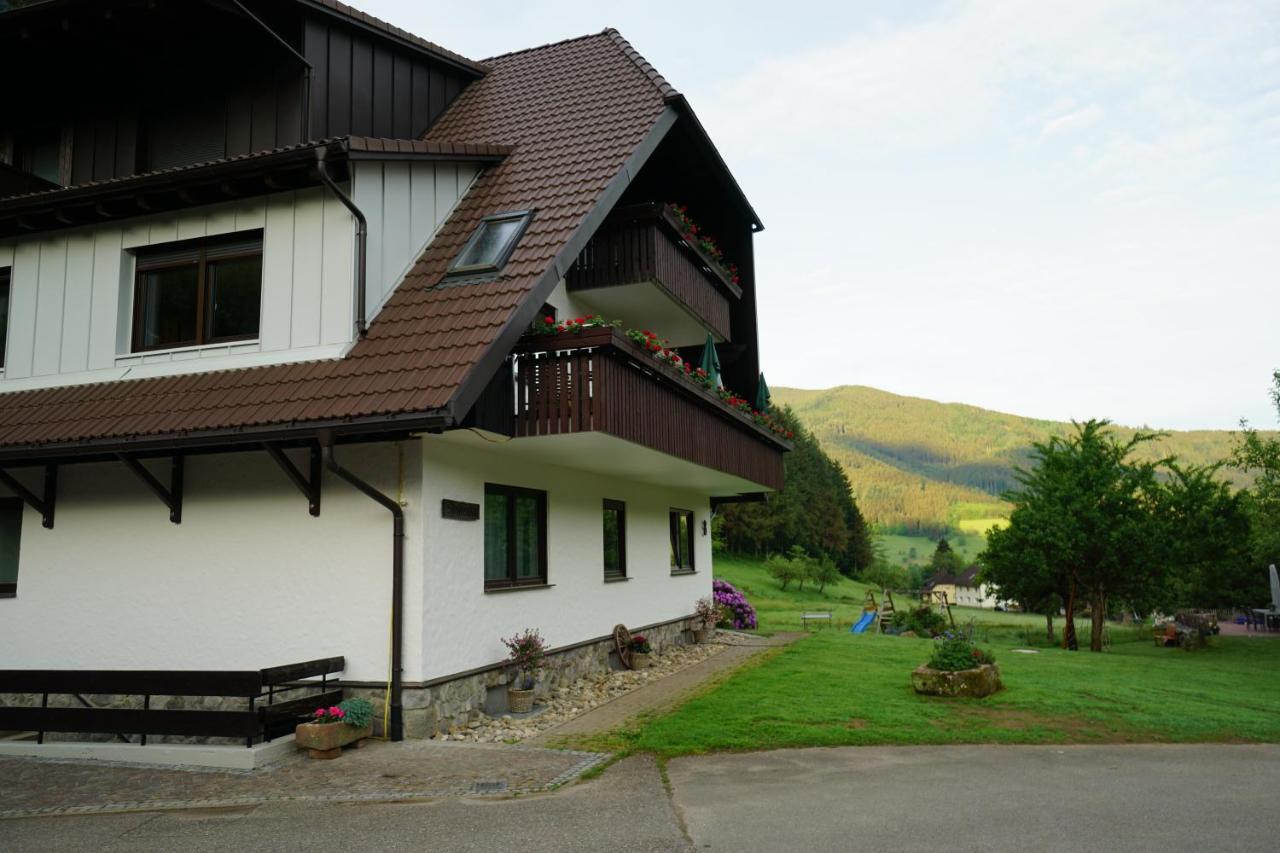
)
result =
(527, 650)
(925, 621)
(707, 612)
(640, 644)
(358, 712)
(784, 570)
(738, 612)
(954, 652)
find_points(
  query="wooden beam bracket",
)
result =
(309, 485)
(170, 496)
(43, 505)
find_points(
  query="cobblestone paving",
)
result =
(378, 771)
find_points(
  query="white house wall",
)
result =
(464, 625)
(404, 203)
(249, 579)
(71, 302)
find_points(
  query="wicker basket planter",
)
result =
(326, 740)
(704, 634)
(519, 701)
(640, 660)
(979, 682)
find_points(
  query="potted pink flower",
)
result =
(525, 654)
(707, 613)
(641, 652)
(332, 728)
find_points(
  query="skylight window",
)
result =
(492, 243)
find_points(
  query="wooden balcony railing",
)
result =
(602, 381)
(642, 243)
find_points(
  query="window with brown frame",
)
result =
(5, 278)
(198, 292)
(515, 537)
(10, 537)
(615, 540)
(681, 523)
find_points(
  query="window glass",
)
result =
(515, 532)
(235, 293)
(614, 539)
(681, 539)
(170, 300)
(528, 538)
(10, 534)
(4, 312)
(495, 537)
(491, 244)
(39, 152)
(198, 292)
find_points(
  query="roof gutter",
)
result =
(395, 724)
(362, 240)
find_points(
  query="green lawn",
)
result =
(836, 689)
(780, 611)
(916, 550)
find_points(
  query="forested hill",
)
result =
(919, 466)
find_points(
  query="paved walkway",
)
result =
(379, 771)
(663, 694)
(413, 770)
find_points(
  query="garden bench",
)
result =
(822, 617)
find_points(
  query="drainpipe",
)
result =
(395, 726)
(362, 237)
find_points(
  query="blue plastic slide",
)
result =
(868, 616)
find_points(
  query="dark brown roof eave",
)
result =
(243, 176)
(682, 105)
(227, 440)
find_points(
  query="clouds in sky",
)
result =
(1061, 209)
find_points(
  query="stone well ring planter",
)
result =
(979, 682)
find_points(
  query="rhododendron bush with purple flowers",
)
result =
(738, 612)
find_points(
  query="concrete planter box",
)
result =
(977, 683)
(326, 740)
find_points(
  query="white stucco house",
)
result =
(277, 381)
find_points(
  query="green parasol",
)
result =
(711, 361)
(762, 395)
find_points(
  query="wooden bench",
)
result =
(821, 617)
(253, 721)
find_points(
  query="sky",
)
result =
(1054, 209)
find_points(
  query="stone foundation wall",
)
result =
(453, 704)
(441, 707)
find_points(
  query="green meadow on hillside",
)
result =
(919, 466)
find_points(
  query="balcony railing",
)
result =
(600, 380)
(642, 243)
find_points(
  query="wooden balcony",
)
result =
(642, 245)
(601, 381)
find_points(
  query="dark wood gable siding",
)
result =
(366, 87)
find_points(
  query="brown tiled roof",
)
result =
(573, 113)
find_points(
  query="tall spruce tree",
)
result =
(815, 510)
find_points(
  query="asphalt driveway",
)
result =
(989, 798)
(1116, 798)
